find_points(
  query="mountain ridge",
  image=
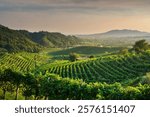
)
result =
(117, 33)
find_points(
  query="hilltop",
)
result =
(22, 40)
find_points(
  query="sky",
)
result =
(75, 16)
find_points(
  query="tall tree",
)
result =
(30, 86)
(73, 57)
(6, 82)
(140, 46)
(17, 81)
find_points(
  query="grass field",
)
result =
(87, 50)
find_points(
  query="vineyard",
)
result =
(110, 69)
(53, 66)
(21, 61)
(114, 68)
(37, 76)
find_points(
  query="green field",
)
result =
(87, 50)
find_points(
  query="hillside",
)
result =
(22, 61)
(101, 77)
(22, 40)
(110, 69)
(13, 41)
(53, 39)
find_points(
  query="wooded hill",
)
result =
(22, 40)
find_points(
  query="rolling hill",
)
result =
(110, 69)
(117, 33)
(53, 39)
(121, 38)
(12, 41)
(22, 40)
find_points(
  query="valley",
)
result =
(43, 65)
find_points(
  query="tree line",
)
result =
(53, 87)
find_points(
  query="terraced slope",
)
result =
(20, 62)
(105, 69)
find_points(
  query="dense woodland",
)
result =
(21, 40)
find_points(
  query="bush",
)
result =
(73, 57)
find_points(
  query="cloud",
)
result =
(88, 6)
(74, 15)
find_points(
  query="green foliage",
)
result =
(14, 41)
(18, 83)
(21, 40)
(22, 61)
(54, 87)
(145, 92)
(87, 50)
(124, 51)
(53, 39)
(82, 79)
(91, 56)
(30, 86)
(132, 93)
(73, 57)
(110, 69)
(140, 46)
(5, 82)
(145, 79)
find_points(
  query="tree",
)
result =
(31, 86)
(6, 82)
(140, 46)
(73, 57)
(28, 86)
(17, 80)
(91, 56)
(131, 93)
(124, 51)
(146, 79)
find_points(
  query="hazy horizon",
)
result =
(75, 16)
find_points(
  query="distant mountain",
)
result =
(117, 33)
(121, 38)
(22, 40)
